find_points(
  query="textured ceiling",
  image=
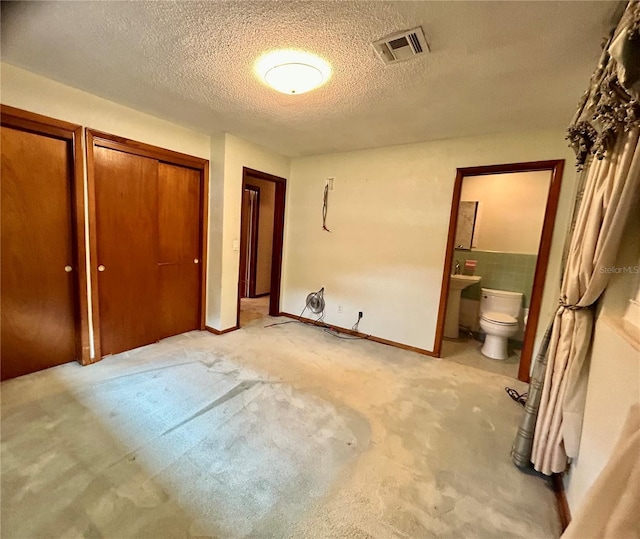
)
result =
(494, 66)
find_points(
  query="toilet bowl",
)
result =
(499, 311)
(498, 328)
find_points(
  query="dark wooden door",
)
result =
(126, 198)
(245, 223)
(179, 249)
(250, 219)
(38, 317)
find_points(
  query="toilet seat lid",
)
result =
(499, 318)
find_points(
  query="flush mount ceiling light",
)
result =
(293, 72)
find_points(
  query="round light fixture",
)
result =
(293, 72)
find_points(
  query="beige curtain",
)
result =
(604, 135)
(611, 187)
(612, 505)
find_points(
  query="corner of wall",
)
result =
(216, 207)
(238, 153)
(392, 207)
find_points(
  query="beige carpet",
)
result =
(252, 309)
(278, 432)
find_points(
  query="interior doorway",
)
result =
(496, 267)
(261, 235)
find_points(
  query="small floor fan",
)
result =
(315, 301)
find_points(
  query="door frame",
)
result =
(278, 237)
(72, 133)
(95, 139)
(555, 167)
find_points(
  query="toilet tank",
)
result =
(500, 301)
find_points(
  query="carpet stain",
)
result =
(234, 392)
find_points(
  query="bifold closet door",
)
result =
(38, 306)
(126, 200)
(178, 249)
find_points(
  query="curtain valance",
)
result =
(611, 105)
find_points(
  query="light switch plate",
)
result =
(236, 245)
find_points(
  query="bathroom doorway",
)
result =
(261, 236)
(501, 225)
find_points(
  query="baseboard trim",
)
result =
(363, 335)
(220, 332)
(561, 497)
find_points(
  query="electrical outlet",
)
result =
(360, 315)
(329, 183)
(339, 308)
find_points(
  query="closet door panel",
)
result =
(178, 213)
(179, 248)
(126, 229)
(179, 299)
(38, 314)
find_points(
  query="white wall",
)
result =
(389, 217)
(27, 91)
(34, 93)
(614, 375)
(238, 153)
(511, 210)
(216, 212)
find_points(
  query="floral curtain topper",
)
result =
(611, 105)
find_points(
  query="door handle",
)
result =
(195, 261)
(100, 267)
(68, 269)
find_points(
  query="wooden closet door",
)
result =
(179, 248)
(126, 198)
(38, 317)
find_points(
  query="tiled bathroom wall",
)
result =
(502, 271)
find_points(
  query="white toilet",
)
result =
(499, 310)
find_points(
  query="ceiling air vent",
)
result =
(401, 46)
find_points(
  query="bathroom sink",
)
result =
(452, 319)
(460, 282)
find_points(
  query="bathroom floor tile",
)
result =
(467, 352)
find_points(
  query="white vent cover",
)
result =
(401, 46)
